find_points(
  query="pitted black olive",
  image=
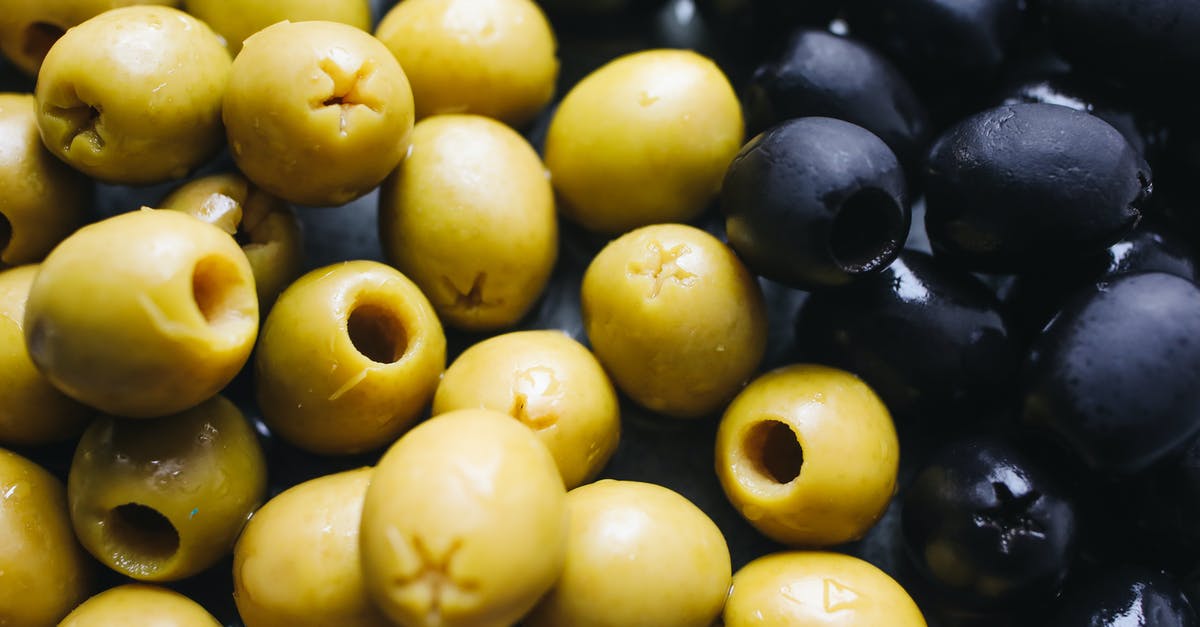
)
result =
(1116, 374)
(987, 527)
(816, 202)
(927, 337)
(822, 74)
(1020, 186)
(1122, 597)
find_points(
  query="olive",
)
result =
(816, 202)
(139, 604)
(236, 21)
(637, 553)
(1116, 374)
(1126, 596)
(1022, 186)
(987, 526)
(1155, 510)
(929, 338)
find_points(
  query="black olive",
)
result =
(816, 202)
(1159, 509)
(1123, 597)
(1116, 374)
(927, 337)
(987, 527)
(822, 74)
(1021, 186)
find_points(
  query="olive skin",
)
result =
(1125, 596)
(139, 604)
(1157, 509)
(134, 118)
(142, 314)
(987, 526)
(44, 573)
(1116, 374)
(929, 338)
(1021, 186)
(44, 199)
(815, 202)
(822, 74)
(163, 499)
(235, 22)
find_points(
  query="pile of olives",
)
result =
(443, 313)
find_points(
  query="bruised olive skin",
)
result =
(986, 526)
(1017, 187)
(929, 338)
(815, 202)
(1123, 597)
(822, 74)
(1116, 375)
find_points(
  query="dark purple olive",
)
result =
(1122, 597)
(816, 202)
(1020, 186)
(822, 74)
(986, 527)
(927, 337)
(1160, 507)
(1116, 374)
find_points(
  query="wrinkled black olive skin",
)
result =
(929, 338)
(1123, 597)
(815, 202)
(987, 527)
(1020, 186)
(1116, 374)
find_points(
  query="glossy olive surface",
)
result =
(1116, 375)
(815, 202)
(930, 339)
(236, 21)
(1023, 185)
(139, 604)
(1123, 597)
(987, 526)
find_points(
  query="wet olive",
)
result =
(1127, 596)
(236, 21)
(139, 604)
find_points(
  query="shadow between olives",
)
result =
(5, 232)
(776, 454)
(141, 536)
(866, 230)
(377, 333)
(39, 37)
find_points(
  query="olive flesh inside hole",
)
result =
(866, 231)
(377, 333)
(774, 450)
(141, 535)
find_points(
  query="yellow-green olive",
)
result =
(297, 562)
(163, 499)
(29, 27)
(349, 357)
(265, 226)
(317, 113)
(133, 95)
(490, 57)
(44, 200)
(827, 589)
(464, 523)
(143, 314)
(642, 140)
(808, 454)
(31, 410)
(139, 604)
(675, 318)
(43, 571)
(237, 20)
(471, 184)
(637, 554)
(549, 382)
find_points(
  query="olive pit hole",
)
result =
(772, 447)
(218, 289)
(5, 233)
(378, 333)
(141, 533)
(39, 37)
(867, 229)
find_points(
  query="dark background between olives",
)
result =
(674, 453)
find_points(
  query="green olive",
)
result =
(264, 225)
(43, 571)
(139, 604)
(143, 314)
(237, 20)
(549, 382)
(297, 562)
(349, 357)
(44, 200)
(163, 499)
(471, 183)
(317, 113)
(464, 523)
(133, 95)
(31, 410)
(637, 554)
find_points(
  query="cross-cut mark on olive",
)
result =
(140, 537)
(377, 333)
(82, 120)
(5, 233)
(662, 265)
(773, 449)
(219, 290)
(533, 388)
(867, 229)
(39, 37)
(347, 93)
(1011, 517)
(435, 574)
(473, 297)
